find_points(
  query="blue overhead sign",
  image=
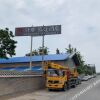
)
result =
(38, 31)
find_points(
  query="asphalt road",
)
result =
(92, 94)
(88, 90)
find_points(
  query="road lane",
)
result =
(92, 94)
(73, 92)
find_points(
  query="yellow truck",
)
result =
(59, 77)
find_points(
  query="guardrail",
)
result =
(4, 73)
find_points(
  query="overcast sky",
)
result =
(80, 20)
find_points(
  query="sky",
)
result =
(80, 21)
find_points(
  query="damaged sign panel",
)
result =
(38, 31)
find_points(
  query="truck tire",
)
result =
(49, 89)
(65, 87)
(68, 86)
(73, 86)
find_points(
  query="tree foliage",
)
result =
(70, 49)
(7, 43)
(39, 51)
(57, 51)
(34, 52)
(83, 68)
(43, 51)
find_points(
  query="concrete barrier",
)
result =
(11, 85)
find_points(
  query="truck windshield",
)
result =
(55, 73)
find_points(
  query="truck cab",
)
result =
(56, 79)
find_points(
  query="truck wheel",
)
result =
(73, 86)
(65, 87)
(49, 89)
(68, 86)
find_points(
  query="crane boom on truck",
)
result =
(59, 77)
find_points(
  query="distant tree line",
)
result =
(82, 69)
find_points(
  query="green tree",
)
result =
(94, 70)
(34, 52)
(90, 69)
(82, 68)
(39, 51)
(57, 51)
(80, 57)
(70, 49)
(43, 51)
(7, 44)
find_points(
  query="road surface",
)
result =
(88, 90)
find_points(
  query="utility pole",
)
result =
(31, 53)
(43, 47)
